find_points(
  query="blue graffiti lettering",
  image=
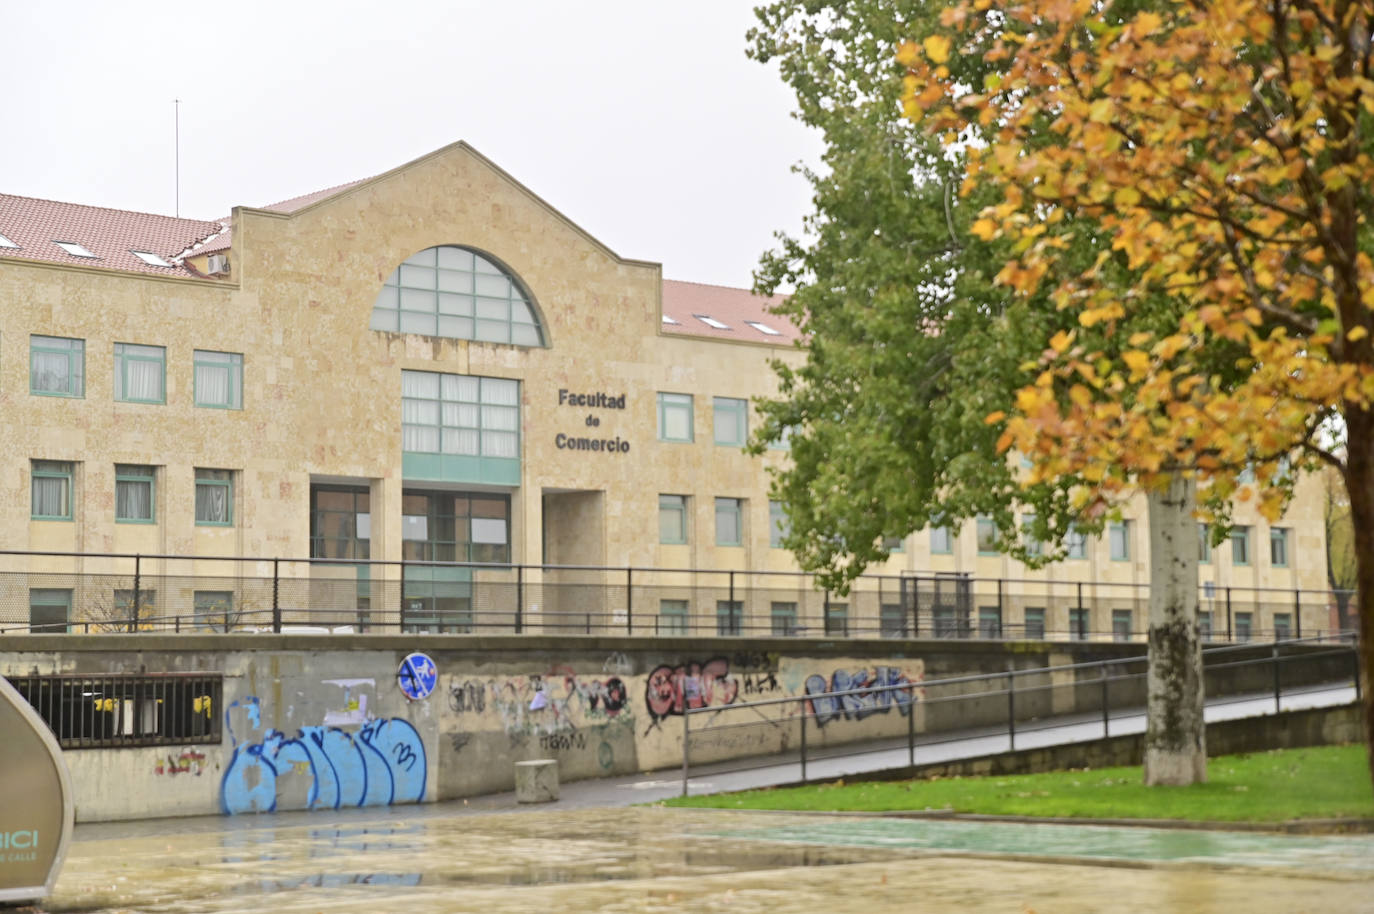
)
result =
(381, 764)
(872, 694)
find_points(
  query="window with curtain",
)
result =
(729, 521)
(214, 498)
(730, 417)
(57, 366)
(675, 417)
(139, 373)
(133, 493)
(219, 379)
(51, 490)
(454, 292)
(463, 415)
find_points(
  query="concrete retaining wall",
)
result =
(316, 721)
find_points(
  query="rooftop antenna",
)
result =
(176, 102)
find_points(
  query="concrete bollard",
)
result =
(536, 781)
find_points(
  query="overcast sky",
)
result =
(642, 121)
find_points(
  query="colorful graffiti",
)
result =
(872, 695)
(189, 762)
(381, 763)
(691, 685)
(555, 702)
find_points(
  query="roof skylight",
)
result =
(71, 247)
(6, 243)
(150, 259)
(711, 321)
(764, 328)
(669, 320)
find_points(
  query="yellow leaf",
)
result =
(1100, 111)
(907, 54)
(984, 229)
(1126, 196)
(994, 418)
(1136, 360)
(1141, 338)
(937, 48)
(1354, 334)
(1062, 340)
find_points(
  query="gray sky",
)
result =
(642, 121)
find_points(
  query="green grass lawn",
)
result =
(1325, 782)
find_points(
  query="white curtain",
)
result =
(50, 372)
(144, 380)
(50, 497)
(133, 500)
(212, 504)
(212, 384)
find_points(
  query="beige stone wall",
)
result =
(322, 399)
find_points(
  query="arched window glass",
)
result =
(451, 291)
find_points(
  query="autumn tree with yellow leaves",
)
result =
(1219, 153)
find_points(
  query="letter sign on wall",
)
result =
(35, 801)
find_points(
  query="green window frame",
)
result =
(778, 524)
(1119, 540)
(1075, 544)
(1283, 626)
(213, 609)
(1080, 624)
(784, 439)
(1240, 546)
(894, 544)
(50, 610)
(1033, 545)
(455, 292)
(1204, 544)
(1244, 626)
(57, 366)
(892, 620)
(135, 494)
(729, 521)
(783, 618)
(941, 542)
(1278, 547)
(50, 490)
(987, 535)
(1034, 623)
(218, 379)
(836, 618)
(730, 419)
(672, 617)
(140, 373)
(672, 520)
(675, 418)
(729, 617)
(1121, 624)
(214, 498)
(990, 622)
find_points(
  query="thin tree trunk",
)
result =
(1359, 484)
(1175, 740)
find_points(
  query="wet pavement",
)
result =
(451, 858)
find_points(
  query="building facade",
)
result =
(435, 366)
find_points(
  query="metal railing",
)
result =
(995, 707)
(116, 710)
(125, 592)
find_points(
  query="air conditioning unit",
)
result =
(217, 263)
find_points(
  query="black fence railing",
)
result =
(63, 592)
(128, 709)
(885, 710)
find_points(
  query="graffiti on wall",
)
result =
(190, 761)
(693, 684)
(325, 767)
(549, 707)
(872, 695)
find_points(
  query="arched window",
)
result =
(451, 291)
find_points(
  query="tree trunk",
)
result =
(1175, 741)
(1359, 484)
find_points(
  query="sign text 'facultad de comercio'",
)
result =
(616, 445)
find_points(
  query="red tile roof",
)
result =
(688, 302)
(110, 234)
(113, 235)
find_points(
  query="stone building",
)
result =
(435, 365)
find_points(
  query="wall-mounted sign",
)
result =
(35, 801)
(615, 445)
(417, 676)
